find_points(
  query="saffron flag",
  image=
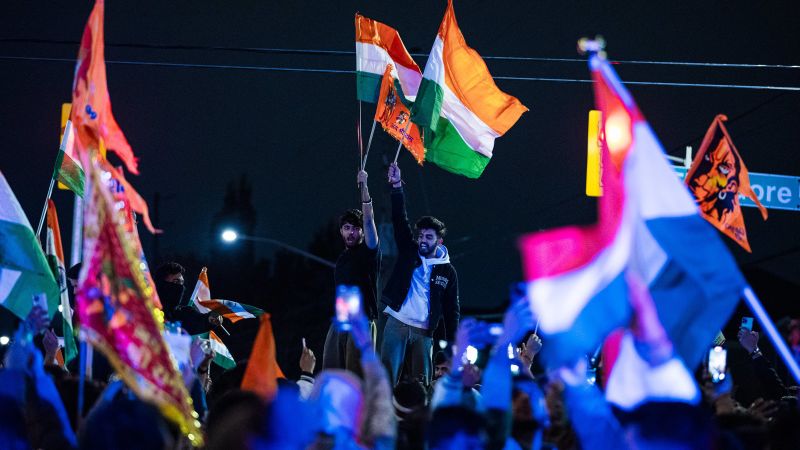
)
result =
(393, 114)
(262, 373)
(23, 267)
(116, 307)
(55, 257)
(91, 112)
(648, 224)
(458, 106)
(378, 45)
(93, 123)
(717, 178)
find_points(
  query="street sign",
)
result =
(773, 191)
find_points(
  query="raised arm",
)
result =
(402, 229)
(370, 230)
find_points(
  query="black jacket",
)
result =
(443, 297)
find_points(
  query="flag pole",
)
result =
(62, 148)
(44, 208)
(369, 144)
(761, 314)
(400, 145)
(360, 140)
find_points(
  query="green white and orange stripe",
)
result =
(222, 357)
(459, 106)
(233, 311)
(201, 291)
(55, 257)
(23, 266)
(376, 46)
(68, 170)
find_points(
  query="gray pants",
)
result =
(341, 353)
(407, 350)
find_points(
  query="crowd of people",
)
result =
(385, 383)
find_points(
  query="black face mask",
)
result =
(171, 294)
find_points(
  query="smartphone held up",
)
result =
(348, 304)
(717, 363)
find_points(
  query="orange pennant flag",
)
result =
(91, 105)
(717, 178)
(262, 373)
(393, 114)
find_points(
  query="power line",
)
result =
(301, 51)
(341, 71)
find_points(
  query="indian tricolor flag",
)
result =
(68, 170)
(378, 45)
(222, 356)
(458, 105)
(233, 311)
(55, 257)
(201, 291)
(23, 268)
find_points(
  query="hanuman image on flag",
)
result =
(716, 179)
(715, 183)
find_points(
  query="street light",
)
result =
(4, 340)
(229, 236)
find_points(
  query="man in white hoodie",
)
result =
(421, 292)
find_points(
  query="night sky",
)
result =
(293, 133)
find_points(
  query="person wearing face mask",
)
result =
(171, 291)
(358, 265)
(421, 292)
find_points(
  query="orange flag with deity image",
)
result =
(717, 178)
(394, 116)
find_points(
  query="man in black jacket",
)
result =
(170, 287)
(358, 265)
(421, 292)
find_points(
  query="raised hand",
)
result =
(50, 343)
(748, 339)
(308, 361)
(394, 175)
(361, 178)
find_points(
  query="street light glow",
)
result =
(4, 340)
(229, 235)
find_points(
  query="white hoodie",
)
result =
(416, 307)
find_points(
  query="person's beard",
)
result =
(426, 251)
(351, 242)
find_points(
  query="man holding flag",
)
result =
(358, 265)
(170, 286)
(422, 291)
